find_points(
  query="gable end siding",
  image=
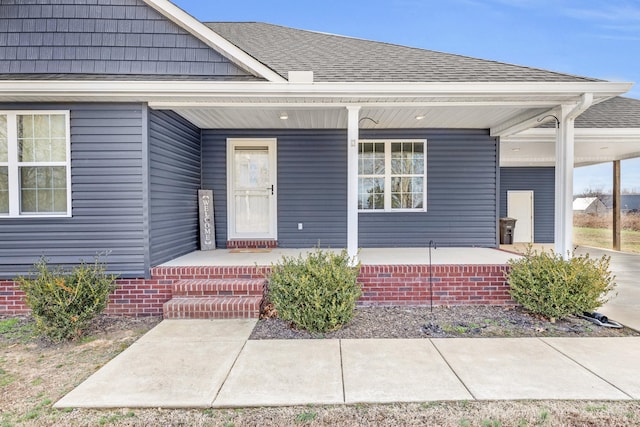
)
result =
(542, 181)
(112, 37)
(174, 158)
(107, 196)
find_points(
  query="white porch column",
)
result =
(565, 139)
(352, 179)
(563, 233)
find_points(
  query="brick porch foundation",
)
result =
(388, 285)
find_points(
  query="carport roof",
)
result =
(615, 113)
(618, 112)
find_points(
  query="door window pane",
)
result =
(252, 168)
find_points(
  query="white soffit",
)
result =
(536, 147)
(336, 117)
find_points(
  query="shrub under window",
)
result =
(64, 303)
(551, 286)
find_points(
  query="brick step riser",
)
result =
(218, 287)
(211, 315)
(218, 292)
(212, 308)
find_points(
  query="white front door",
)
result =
(251, 184)
(520, 207)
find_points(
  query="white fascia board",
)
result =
(214, 40)
(198, 90)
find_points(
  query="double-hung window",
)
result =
(35, 175)
(392, 175)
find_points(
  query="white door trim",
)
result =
(271, 143)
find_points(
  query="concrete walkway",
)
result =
(625, 306)
(204, 363)
(210, 363)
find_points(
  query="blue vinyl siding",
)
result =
(542, 182)
(112, 37)
(107, 143)
(461, 195)
(174, 158)
(312, 174)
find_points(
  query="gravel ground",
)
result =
(443, 322)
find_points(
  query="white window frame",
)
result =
(387, 175)
(14, 166)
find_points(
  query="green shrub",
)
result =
(551, 286)
(63, 303)
(317, 293)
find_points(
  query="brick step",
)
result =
(218, 287)
(225, 307)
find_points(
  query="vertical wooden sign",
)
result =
(207, 229)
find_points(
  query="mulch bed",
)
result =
(444, 322)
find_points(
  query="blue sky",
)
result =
(592, 38)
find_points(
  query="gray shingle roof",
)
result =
(618, 112)
(335, 58)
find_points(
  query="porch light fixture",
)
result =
(420, 117)
(284, 116)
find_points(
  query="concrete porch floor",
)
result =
(367, 256)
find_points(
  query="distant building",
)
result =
(590, 205)
(628, 202)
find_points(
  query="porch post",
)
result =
(564, 184)
(617, 220)
(565, 139)
(352, 180)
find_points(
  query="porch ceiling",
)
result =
(532, 147)
(328, 117)
(536, 147)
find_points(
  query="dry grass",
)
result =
(630, 221)
(596, 230)
(34, 374)
(603, 238)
